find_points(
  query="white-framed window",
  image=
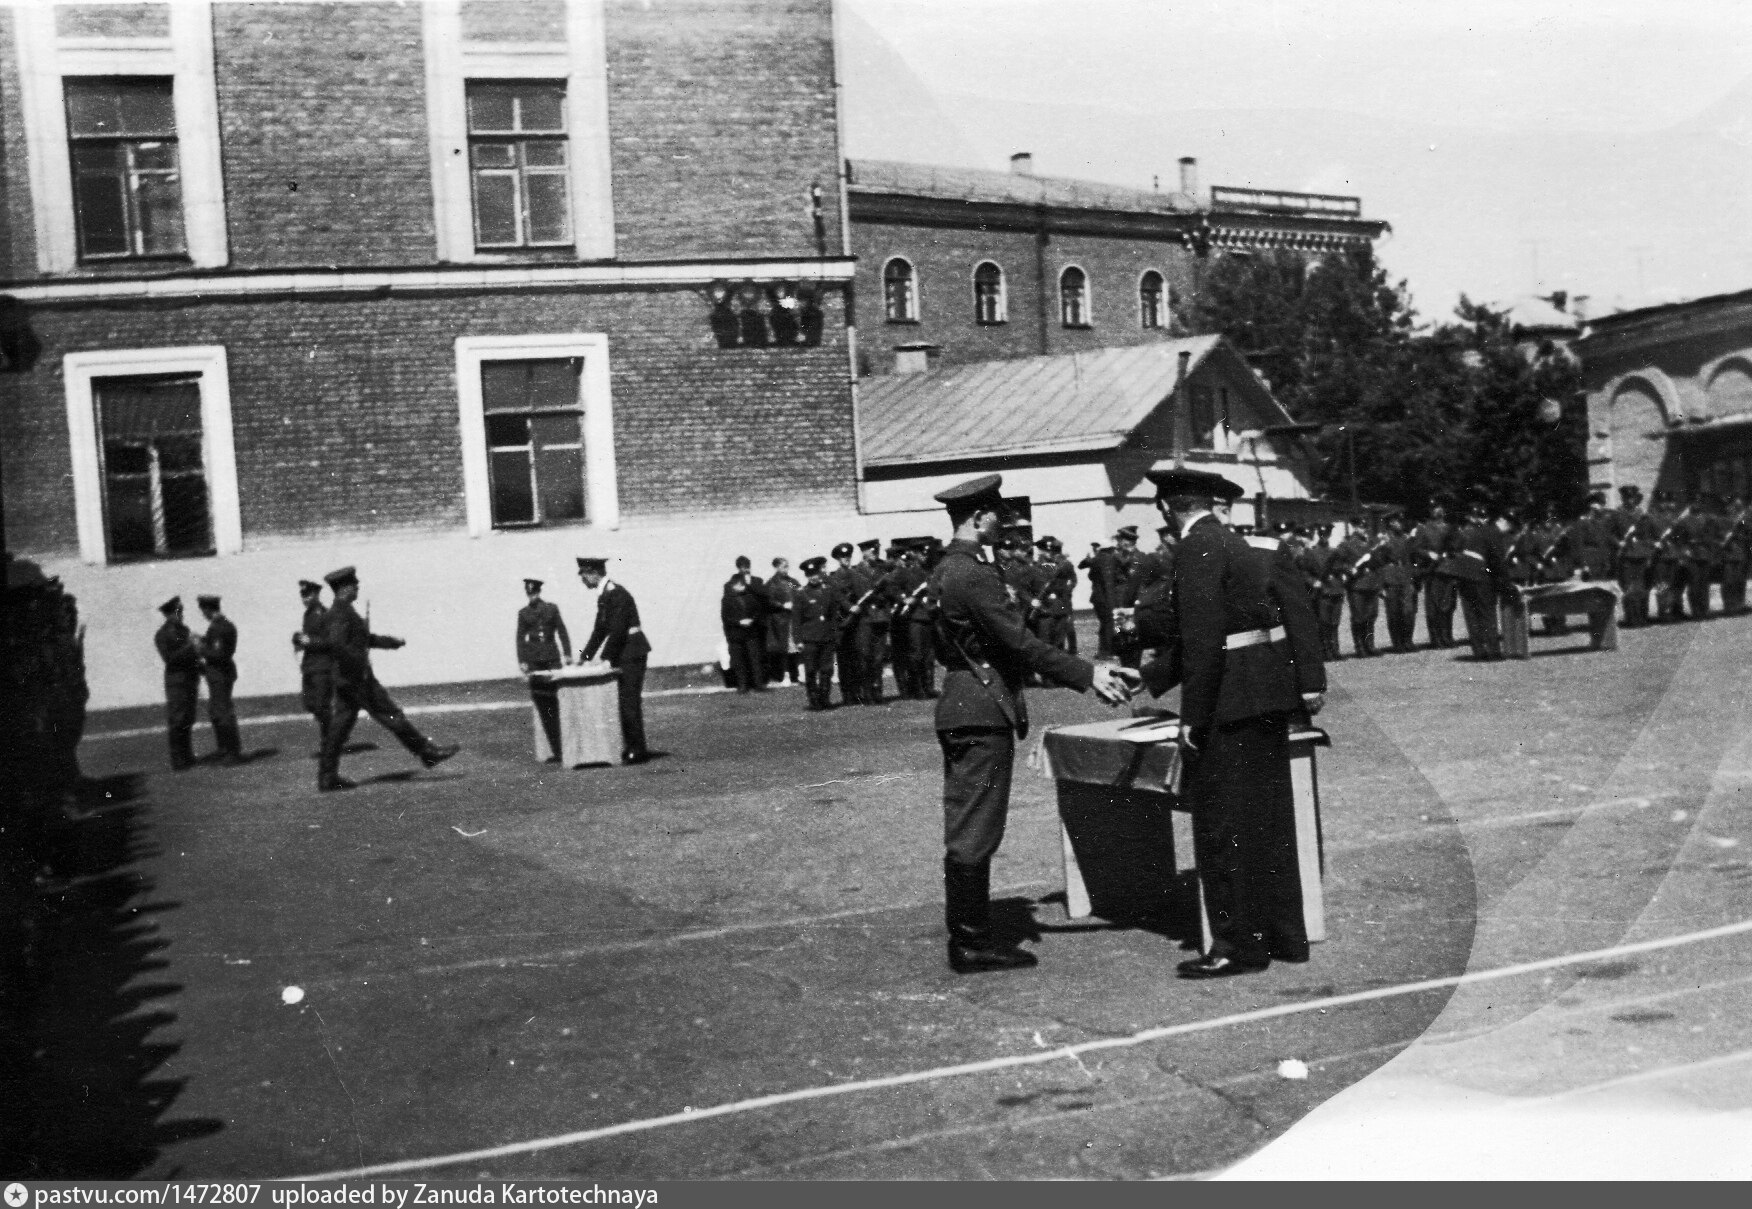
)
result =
(1152, 300)
(900, 291)
(122, 141)
(519, 138)
(1074, 297)
(537, 427)
(154, 467)
(989, 303)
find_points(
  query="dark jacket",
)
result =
(986, 649)
(818, 613)
(740, 613)
(219, 648)
(177, 647)
(347, 638)
(1477, 552)
(315, 661)
(541, 635)
(617, 634)
(1223, 587)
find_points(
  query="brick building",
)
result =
(961, 265)
(453, 291)
(1669, 392)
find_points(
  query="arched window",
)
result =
(1152, 301)
(988, 294)
(1074, 297)
(900, 291)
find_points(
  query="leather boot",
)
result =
(182, 749)
(967, 911)
(230, 744)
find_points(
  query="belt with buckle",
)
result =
(1234, 642)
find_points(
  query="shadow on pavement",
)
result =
(91, 1007)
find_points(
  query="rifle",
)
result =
(912, 601)
(1662, 540)
(1733, 530)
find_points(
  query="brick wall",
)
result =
(945, 258)
(345, 411)
(322, 116)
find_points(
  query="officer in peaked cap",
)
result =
(317, 668)
(543, 645)
(1057, 580)
(347, 637)
(619, 637)
(871, 616)
(219, 668)
(844, 583)
(1238, 694)
(987, 652)
(182, 682)
(819, 611)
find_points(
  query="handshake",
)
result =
(1114, 684)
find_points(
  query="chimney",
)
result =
(914, 358)
(1022, 163)
(1189, 176)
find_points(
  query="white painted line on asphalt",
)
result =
(1072, 1053)
(459, 707)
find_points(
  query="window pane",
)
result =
(126, 458)
(146, 107)
(148, 407)
(493, 155)
(179, 453)
(563, 429)
(93, 108)
(552, 384)
(513, 503)
(129, 509)
(489, 108)
(545, 153)
(505, 385)
(106, 106)
(102, 210)
(185, 514)
(550, 220)
(159, 203)
(495, 209)
(560, 473)
(541, 107)
(154, 156)
(507, 430)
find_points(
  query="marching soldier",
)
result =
(1400, 585)
(316, 667)
(818, 611)
(620, 640)
(1635, 551)
(1234, 661)
(845, 580)
(1735, 547)
(1698, 538)
(182, 682)
(542, 646)
(986, 651)
(1476, 559)
(1427, 543)
(219, 668)
(348, 639)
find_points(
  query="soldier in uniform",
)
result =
(1120, 595)
(1325, 571)
(1052, 616)
(873, 611)
(919, 614)
(1735, 547)
(1477, 560)
(317, 667)
(907, 582)
(1699, 539)
(1363, 584)
(1666, 570)
(1100, 556)
(542, 646)
(781, 642)
(1427, 543)
(817, 609)
(986, 651)
(1552, 556)
(620, 640)
(349, 641)
(1400, 585)
(1233, 658)
(845, 580)
(1634, 551)
(219, 668)
(182, 682)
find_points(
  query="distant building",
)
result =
(967, 265)
(1669, 392)
(1074, 434)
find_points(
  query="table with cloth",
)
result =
(1596, 598)
(590, 730)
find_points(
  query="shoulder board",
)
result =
(1260, 542)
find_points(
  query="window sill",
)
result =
(902, 322)
(992, 322)
(1078, 327)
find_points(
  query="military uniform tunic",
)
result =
(182, 687)
(542, 646)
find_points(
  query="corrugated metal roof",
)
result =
(1063, 403)
(983, 185)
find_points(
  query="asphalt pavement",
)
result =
(728, 963)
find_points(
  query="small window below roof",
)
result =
(900, 291)
(1152, 301)
(1074, 297)
(989, 304)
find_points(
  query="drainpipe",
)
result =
(1040, 240)
(845, 226)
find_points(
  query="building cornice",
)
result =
(331, 282)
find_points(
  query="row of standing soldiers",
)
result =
(874, 613)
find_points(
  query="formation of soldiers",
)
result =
(870, 613)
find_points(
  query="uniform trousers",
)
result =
(900, 652)
(220, 710)
(347, 700)
(1401, 615)
(977, 765)
(846, 655)
(1478, 602)
(1327, 612)
(1439, 598)
(182, 693)
(1633, 581)
(1734, 586)
(1103, 630)
(545, 696)
(872, 639)
(818, 673)
(1669, 589)
(1697, 580)
(318, 688)
(632, 705)
(747, 652)
(921, 645)
(1365, 608)
(1243, 806)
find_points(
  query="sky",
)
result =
(1603, 147)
